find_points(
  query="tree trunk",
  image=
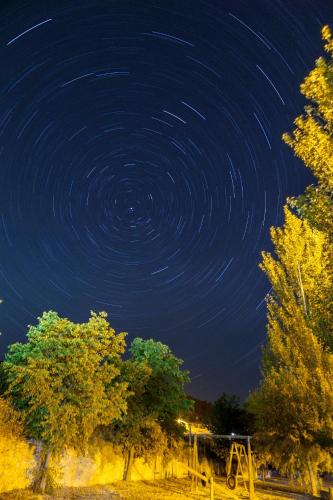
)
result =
(39, 485)
(312, 468)
(129, 465)
(125, 466)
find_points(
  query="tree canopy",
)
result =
(65, 379)
(157, 399)
(294, 403)
(164, 395)
(228, 416)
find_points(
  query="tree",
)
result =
(164, 395)
(134, 432)
(228, 416)
(3, 380)
(312, 142)
(301, 276)
(294, 403)
(157, 400)
(65, 381)
(312, 138)
(10, 422)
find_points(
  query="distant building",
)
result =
(194, 427)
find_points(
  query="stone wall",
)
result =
(102, 465)
(16, 463)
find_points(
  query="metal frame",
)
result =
(240, 451)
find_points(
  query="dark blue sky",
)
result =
(142, 166)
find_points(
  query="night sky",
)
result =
(142, 166)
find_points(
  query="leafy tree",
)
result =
(312, 138)
(228, 416)
(65, 381)
(10, 421)
(312, 142)
(3, 380)
(133, 433)
(301, 277)
(164, 395)
(294, 403)
(158, 398)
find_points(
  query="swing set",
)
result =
(240, 466)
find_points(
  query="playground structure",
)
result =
(243, 459)
(240, 465)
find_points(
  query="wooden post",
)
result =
(249, 460)
(192, 465)
(190, 447)
(211, 481)
(195, 460)
(230, 459)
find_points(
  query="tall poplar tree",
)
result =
(312, 142)
(294, 403)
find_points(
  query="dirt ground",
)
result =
(167, 489)
(175, 489)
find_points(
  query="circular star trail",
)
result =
(142, 166)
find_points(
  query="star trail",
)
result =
(142, 167)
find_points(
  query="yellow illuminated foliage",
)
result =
(294, 403)
(312, 139)
(312, 142)
(158, 397)
(66, 381)
(10, 422)
(15, 454)
(301, 277)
